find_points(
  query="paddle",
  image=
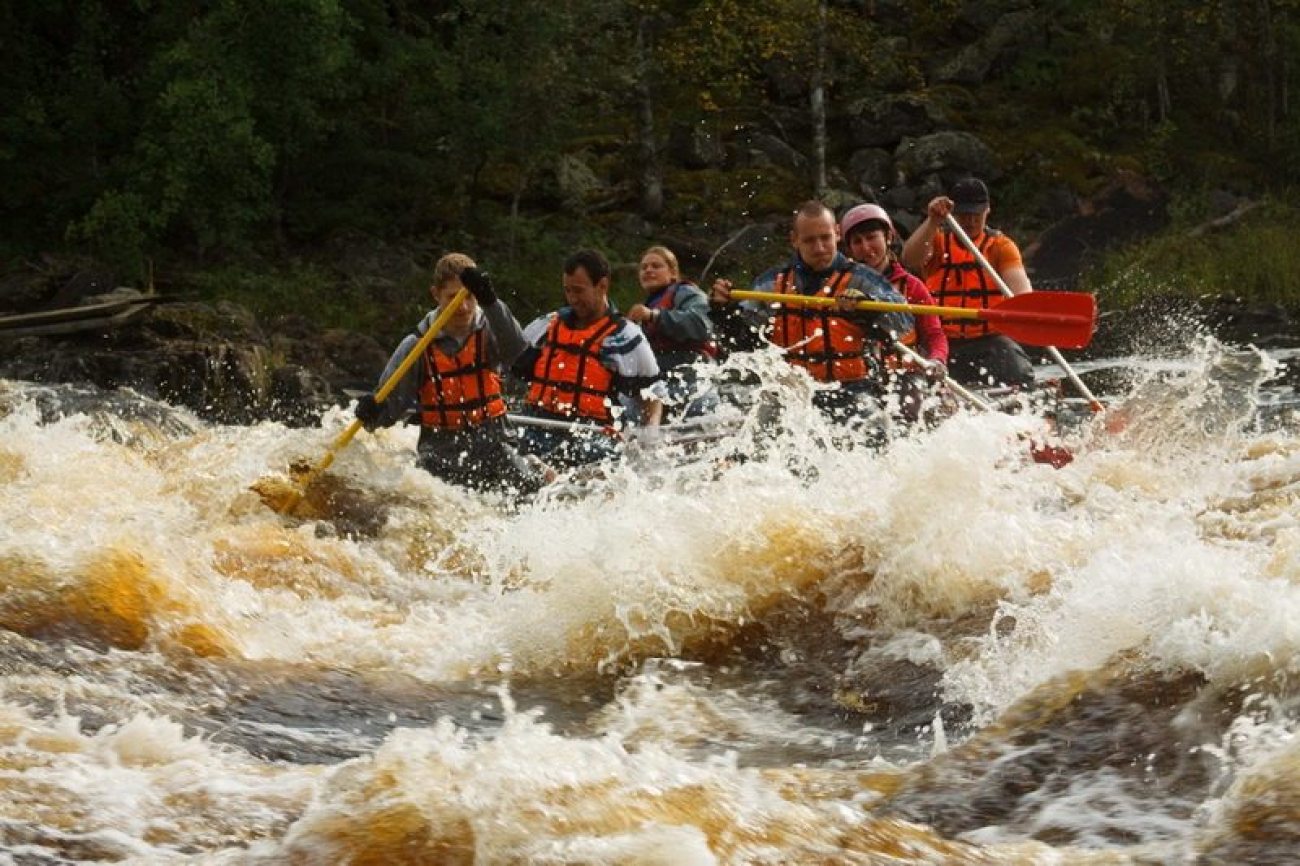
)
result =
(956, 229)
(954, 386)
(674, 434)
(1036, 319)
(1055, 456)
(284, 501)
(563, 426)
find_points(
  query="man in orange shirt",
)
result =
(977, 356)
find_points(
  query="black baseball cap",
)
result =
(969, 195)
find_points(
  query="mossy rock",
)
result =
(222, 321)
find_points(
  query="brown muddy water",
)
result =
(942, 652)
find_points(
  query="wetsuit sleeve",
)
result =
(929, 329)
(889, 326)
(506, 341)
(405, 398)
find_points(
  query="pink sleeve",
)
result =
(929, 329)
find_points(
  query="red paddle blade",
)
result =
(1062, 319)
(1054, 456)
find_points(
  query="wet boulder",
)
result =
(947, 156)
(884, 121)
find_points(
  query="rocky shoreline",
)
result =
(216, 360)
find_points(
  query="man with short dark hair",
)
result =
(835, 344)
(586, 364)
(955, 277)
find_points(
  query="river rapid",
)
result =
(942, 652)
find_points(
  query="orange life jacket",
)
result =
(568, 378)
(819, 339)
(959, 280)
(460, 390)
(661, 344)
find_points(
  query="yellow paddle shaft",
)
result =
(874, 306)
(390, 383)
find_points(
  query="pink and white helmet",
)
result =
(862, 213)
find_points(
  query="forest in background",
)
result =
(286, 153)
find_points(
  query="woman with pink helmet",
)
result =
(868, 235)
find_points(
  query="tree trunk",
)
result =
(817, 103)
(652, 181)
(1284, 68)
(1270, 71)
(1164, 105)
(521, 185)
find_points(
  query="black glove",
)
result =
(479, 285)
(368, 411)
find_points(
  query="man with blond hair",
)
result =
(455, 389)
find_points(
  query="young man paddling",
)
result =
(957, 279)
(456, 387)
(835, 344)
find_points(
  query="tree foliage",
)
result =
(204, 128)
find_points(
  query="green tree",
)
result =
(70, 97)
(232, 100)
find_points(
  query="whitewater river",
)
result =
(943, 653)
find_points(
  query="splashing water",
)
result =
(774, 646)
